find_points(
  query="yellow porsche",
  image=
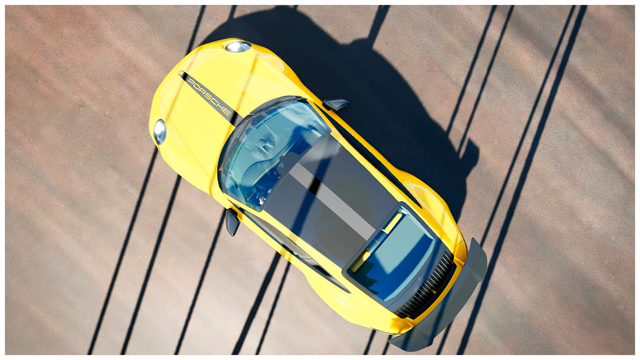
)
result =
(378, 245)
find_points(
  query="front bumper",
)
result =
(422, 335)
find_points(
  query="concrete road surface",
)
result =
(522, 118)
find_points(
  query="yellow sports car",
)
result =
(377, 244)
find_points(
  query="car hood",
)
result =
(331, 201)
(237, 83)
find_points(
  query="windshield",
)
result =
(253, 165)
(394, 256)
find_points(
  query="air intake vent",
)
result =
(427, 292)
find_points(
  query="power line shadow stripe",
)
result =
(523, 177)
(204, 272)
(122, 252)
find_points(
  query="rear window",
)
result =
(394, 257)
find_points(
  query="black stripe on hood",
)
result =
(218, 104)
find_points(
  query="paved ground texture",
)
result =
(522, 118)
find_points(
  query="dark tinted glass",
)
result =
(250, 170)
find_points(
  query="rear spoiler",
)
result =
(422, 335)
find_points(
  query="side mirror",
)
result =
(335, 104)
(232, 222)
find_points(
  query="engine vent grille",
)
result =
(411, 308)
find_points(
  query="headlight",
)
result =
(160, 131)
(238, 46)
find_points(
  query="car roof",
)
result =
(331, 201)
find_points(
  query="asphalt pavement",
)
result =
(521, 117)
